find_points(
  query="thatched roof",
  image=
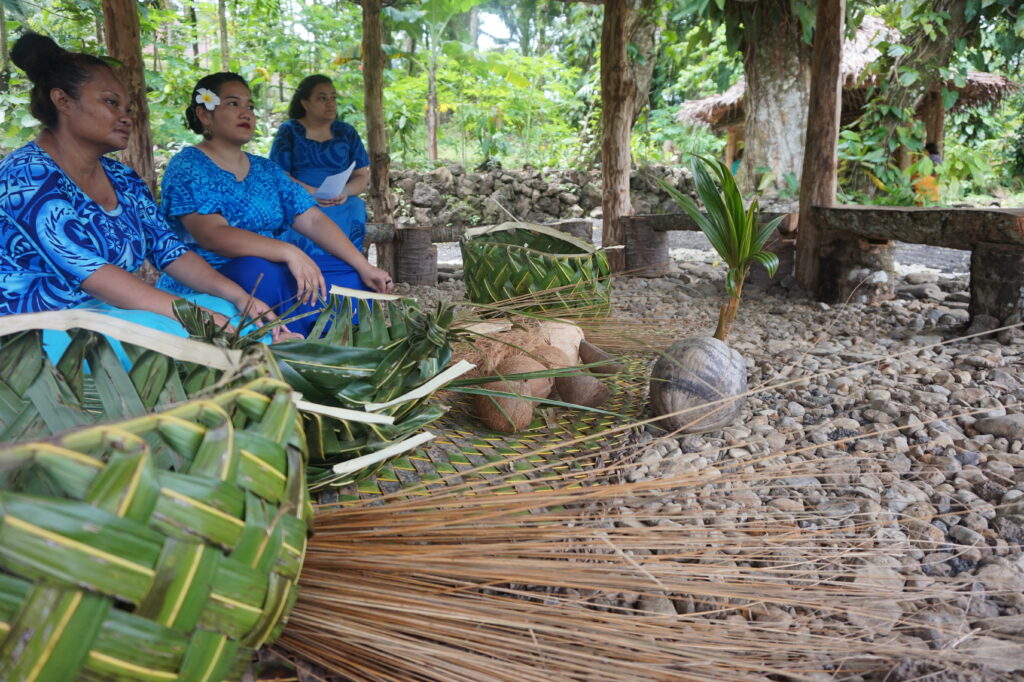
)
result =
(727, 109)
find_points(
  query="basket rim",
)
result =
(179, 348)
(510, 226)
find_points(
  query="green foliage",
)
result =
(732, 229)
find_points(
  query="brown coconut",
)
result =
(551, 357)
(590, 354)
(519, 411)
(563, 336)
(539, 387)
(582, 389)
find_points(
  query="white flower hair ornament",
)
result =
(207, 98)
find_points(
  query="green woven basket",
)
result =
(164, 547)
(535, 267)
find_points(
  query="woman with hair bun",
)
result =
(313, 144)
(74, 224)
(246, 216)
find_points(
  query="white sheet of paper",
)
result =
(332, 186)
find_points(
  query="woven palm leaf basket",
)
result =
(162, 546)
(535, 267)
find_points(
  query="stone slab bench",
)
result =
(994, 236)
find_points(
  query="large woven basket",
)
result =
(535, 267)
(163, 547)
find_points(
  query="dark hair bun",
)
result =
(35, 54)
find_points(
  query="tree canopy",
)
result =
(518, 82)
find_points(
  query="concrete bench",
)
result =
(859, 236)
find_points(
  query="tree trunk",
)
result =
(125, 44)
(5, 56)
(193, 24)
(222, 22)
(644, 34)
(776, 64)
(934, 115)
(617, 95)
(432, 110)
(474, 27)
(819, 181)
(382, 202)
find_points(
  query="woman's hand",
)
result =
(308, 278)
(377, 279)
(336, 201)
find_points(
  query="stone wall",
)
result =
(449, 199)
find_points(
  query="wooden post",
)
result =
(934, 115)
(382, 201)
(617, 95)
(416, 257)
(124, 44)
(731, 146)
(818, 179)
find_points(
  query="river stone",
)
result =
(692, 373)
(1010, 426)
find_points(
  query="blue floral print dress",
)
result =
(311, 161)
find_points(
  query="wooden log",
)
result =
(997, 281)
(415, 257)
(646, 250)
(670, 222)
(381, 200)
(952, 228)
(818, 179)
(124, 43)
(581, 228)
(618, 89)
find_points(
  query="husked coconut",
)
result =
(590, 354)
(551, 357)
(582, 389)
(505, 414)
(539, 387)
(563, 336)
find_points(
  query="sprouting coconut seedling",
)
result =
(733, 230)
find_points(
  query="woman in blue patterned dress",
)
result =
(248, 219)
(314, 144)
(74, 224)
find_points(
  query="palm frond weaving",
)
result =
(163, 547)
(537, 267)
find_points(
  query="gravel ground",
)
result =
(929, 488)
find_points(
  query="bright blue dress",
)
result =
(311, 162)
(53, 236)
(265, 202)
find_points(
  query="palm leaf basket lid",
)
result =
(162, 547)
(535, 267)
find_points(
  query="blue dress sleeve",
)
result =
(295, 200)
(356, 148)
(282, 152)
(163, 246)
(187, 187)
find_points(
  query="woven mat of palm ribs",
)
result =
(164, 547)
(466, 452)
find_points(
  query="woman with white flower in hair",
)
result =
(74, 224)
(247, 218)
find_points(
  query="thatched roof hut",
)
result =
(726, 110)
